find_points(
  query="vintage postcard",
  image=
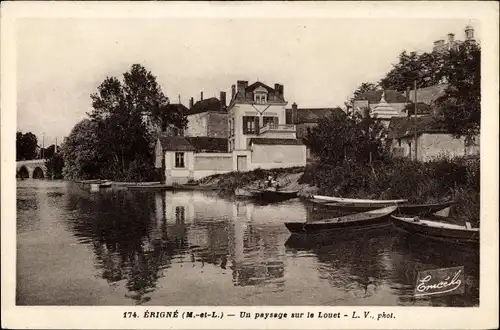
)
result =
(233, 165)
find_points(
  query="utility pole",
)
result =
(43, 144)
(416, 121)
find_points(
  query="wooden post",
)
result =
(415, 114)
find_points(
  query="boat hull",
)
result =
(452, 235)
(381, 203)
(270, 196)
(407, 209)
(366, 220)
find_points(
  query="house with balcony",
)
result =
(259, 136)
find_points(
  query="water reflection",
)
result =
(193, 248)
(137, 236)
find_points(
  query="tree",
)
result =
(128, 113)
(363, 88)
(460, 106)
(340, 137)
(425, 69)
(55, 166)
(26, 146)
(79, 152)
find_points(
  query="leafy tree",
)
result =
(460, 106)
(55, 166)
(363, 88)
(26, 146)
(340, 137)
(425, 69)
(128, 113)
(79, 153)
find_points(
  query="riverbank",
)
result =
(442, 179)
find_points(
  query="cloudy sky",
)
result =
(61, 61)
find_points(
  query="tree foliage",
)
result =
(79, 152)
(460, 106)
(125, 118)
(363, 88)
(341, 137)
(425, 69)
(26, 146)
(55, 166)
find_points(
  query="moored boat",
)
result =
(437, 230)
(105, 184)
(273, 195)
(404, 208)
(332, 199)
(371, 219)
(243, 193)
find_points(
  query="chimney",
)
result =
(294, 113)
(201, 96)
(223, 100)
(451, 38)
(282, 93)
(242, 84)
(277, 88)
(233, 91)
(191, 102)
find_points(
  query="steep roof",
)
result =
(258, 84)
(210, 104)
(403, 127)
(428, 95)
(177, 106)
(270, 141)
(208, 144)
(175, 143)
(190, 143)
(391, 96)
(313, 115)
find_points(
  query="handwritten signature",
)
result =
(427, 288)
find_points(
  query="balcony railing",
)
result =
(286, 128)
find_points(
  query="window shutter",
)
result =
(245, 127)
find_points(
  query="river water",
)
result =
(121, 247)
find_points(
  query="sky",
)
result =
(320, 62)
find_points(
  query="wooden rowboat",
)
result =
(405, 208)
(365, 220)
(273, 195)
(437, 230)
(358, 201)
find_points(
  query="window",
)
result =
(270, 121)
(179, 159)
(250, 124)
(260, 98)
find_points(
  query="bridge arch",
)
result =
(38, 173)
(23, 173)
(35, 169)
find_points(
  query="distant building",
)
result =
(207, 117)
(384, 104)
(451, 43)
(433, 140)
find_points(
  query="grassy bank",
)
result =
(438, 180)
(441, 179)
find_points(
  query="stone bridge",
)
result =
(34, 169)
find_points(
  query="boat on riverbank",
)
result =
(269, 195)
(365, 220)
(437, 230)
(331, 199)
(404, 208)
